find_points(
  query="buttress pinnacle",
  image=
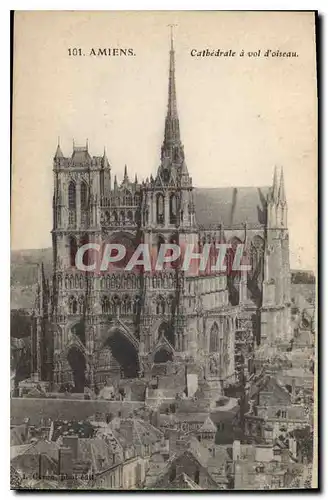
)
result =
(282, 194)
(275, 186)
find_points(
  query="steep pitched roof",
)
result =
(18, 450)
(198, 451)
(81, 428)
(113, 439)
(80, 156)
(45, 447)
(59, 153)
(96, 450)
(230, 206)
(17, 435)
(271, 382)
(184, 482)
(208, 426)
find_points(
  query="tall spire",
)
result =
(275, 186)
(172, 127)
(125, 177)
(105, 161)
(282, 195)
(59, 153)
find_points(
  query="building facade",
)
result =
(92, 327)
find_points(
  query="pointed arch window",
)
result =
(81, 305)
(130, 217)
(72, 196)
(84, 197)
(257, 254)
(137, 199)
(72, 305)
(173, 209)
(72, 250)
(160, 208)
(72, 204)
(174, 239)
(86, 255)
(214, 338)
(105, 305)
(160, 242)
(160, 305)
(128, 198)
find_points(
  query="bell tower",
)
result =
(168, 217)
(275, 311)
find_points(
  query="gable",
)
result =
(273, 393)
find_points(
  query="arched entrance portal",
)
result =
(167, 330)
(163, 356)
(124, 352)
(76, 360)
(79, 330)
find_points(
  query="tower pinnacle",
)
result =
(275, 186)
(59, 153)
(105, 161)
(125, 176)
(282, 195)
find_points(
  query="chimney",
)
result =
(65, 462)
(236, 450)
(72, 442)
(43, 466)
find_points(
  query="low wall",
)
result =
(65, 409)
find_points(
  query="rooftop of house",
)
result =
(208, 426)
(268, 383)
(45, 447)
(143, 432)
(79, 428)
(184, 482)
(18, 435)
(213, 462)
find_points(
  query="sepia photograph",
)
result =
(163, 323)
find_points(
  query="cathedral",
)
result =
(91, 328)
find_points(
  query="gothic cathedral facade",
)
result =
(91, 327)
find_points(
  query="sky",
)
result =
(239, 116)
